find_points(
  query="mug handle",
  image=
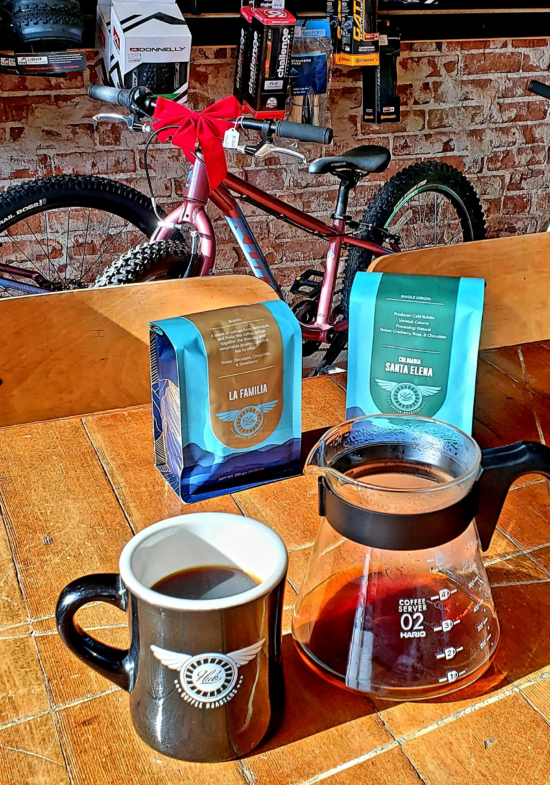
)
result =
(112, 663)
(502, 466)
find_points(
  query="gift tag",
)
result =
(231, 139)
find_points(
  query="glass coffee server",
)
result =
(396, 602)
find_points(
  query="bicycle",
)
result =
(429, 203)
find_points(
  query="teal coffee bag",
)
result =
(413, 346)
(226, 389)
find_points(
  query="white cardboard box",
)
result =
(151, 46)
(103, 43)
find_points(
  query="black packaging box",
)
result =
(278, 4)
(358, 34)
(242, 69)
(270, 58)
(381, 104)
(334, 19)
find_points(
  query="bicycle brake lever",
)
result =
(268, 149)
(263, 150)
(132, 123)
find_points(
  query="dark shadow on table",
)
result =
(313, 705)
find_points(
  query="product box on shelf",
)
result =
(242, 68)
(270, 50)
(103, 43)
(334, 21)
(277, 4)
(357, 31)
(311, 72)
(150, 46)
(381, 104)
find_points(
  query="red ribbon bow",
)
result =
(207, 127)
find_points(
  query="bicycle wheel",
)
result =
(60, 232)
(422, 206)
(161, 259)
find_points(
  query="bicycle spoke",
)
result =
(426, 221)
(99, 258)
(450, 242)
(85, 244)
(67, 244)
(21, 251)
(435, 218)
(35, 237)
(48, 244)
(47, 252)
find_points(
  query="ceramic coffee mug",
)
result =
(204, 676)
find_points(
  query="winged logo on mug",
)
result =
(208, 679)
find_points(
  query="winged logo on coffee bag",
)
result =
(248, 420)
(405, 396)
(208, 680)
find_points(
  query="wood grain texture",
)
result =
(290, 507)
(13, 613)
(387, 768)
(62, 516)
(68, 678)
(22, 687)
(124, 444)
(519, 569)
(323, 403)
(30, 754)
(102, 748)
(323, 727)
(68, 490)
(506, 742)
(524, 649)
(504, 406)
(517, 271)
(538, 696)
(88, 350)
(525, 517)
(407, 719)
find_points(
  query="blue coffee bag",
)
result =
(413, 346)
(226, 388)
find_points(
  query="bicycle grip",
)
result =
(539, 89)
(110, 95)
(305, 133)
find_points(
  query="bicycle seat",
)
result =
(368, 158)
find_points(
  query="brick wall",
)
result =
(464, 103)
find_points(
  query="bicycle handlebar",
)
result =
(110, 95)
(138, 99)
(141, 99)
(539, 89)
(317, 134)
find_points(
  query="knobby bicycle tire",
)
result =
(170, 256)
(433, 175)
(69, 192)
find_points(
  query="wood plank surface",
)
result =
(30, 753)
(101, 748)
(517, 272)
(61, 514)
(72, 491)
(88, 350)
(124, 444)
(506, 741)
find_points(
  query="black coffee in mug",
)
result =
(206, 583)
(204, 597)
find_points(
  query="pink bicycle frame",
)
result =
(192, 211)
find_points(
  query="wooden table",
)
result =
(73, 491)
